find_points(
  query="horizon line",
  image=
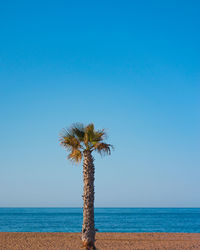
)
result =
(99, 207)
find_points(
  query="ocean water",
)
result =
(185, 220)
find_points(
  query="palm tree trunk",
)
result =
(88, 229)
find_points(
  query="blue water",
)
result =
(186, 220)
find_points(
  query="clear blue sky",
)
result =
(131, 67)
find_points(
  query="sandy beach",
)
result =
(43, 241)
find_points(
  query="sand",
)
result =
(121, 241)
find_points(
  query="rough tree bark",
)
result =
(88, 228)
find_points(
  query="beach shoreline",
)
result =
(118, 241)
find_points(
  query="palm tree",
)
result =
(81, 141)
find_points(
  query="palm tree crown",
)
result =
(80, 138)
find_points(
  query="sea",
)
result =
(180, 220)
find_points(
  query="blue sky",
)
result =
(131, 67)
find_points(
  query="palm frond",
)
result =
(89, 132)
(93, 136)
(69, 141)
(98, 136)
(103, 148)
(78, 131)
(75, 156)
